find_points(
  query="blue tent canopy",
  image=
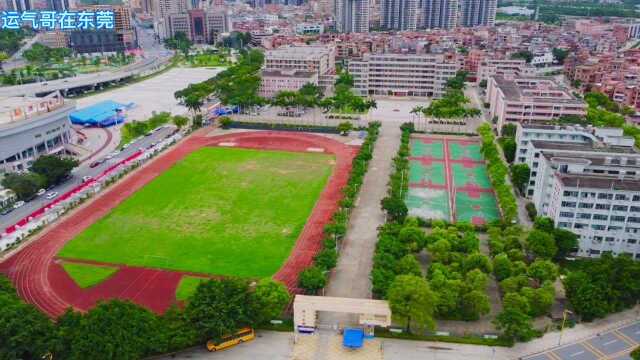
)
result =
(353, 338)
(105, 113)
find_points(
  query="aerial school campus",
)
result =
(317, 223)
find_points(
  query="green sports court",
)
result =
(448, 180)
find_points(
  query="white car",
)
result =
(86, 178)
(51, 195)
(41, 192)
(18, 204)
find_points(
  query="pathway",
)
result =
(351, 276)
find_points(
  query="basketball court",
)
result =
(448, 180)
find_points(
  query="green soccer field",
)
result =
(220, 211)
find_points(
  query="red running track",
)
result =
(41, 281)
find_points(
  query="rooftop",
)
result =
(582, 147)
(596, 182)
(538, 89)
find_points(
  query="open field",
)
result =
(219, 211)
(88, 275)
(448, 181)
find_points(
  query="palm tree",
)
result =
(193, 103)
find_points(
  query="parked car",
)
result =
(96, 163)
(41, 192)
(86, 178)
(6, 210)
(18, 204)
(51, 195)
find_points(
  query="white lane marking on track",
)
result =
(576, 354)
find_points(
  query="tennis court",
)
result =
(448, 180)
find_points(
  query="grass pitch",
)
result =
(88, 275)
(221, 211)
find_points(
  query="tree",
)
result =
(544, 223)
(177, 331)
(225, 122)
(514, 320)
(588, 299)
(25, 333)
(475, 303)
(193, 103)
(408, 265)
(477, 261)
(312, 279)
(326, 259)
(483, 83)
(541, 244)
(520, 174)
(53, 168)
(114, 330)
(560, 54)
(509, 146)
(270, 297)
(540, 300)
(180, 121)
(502, 267)
(523, 54)
(220, 307)
(412, 301)
(566, 242)
(396, 208)
(25, 186)
(543, 270)
(345, 127)
(635, 354)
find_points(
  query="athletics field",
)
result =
(448, 180)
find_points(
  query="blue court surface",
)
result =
(102, 114)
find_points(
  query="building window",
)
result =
(617, 218)
(570, 193)
(620, 208)
(585, 206)
(621, 197)
(600, 217)
(596, 227)
(570, 204)
(603, 196)
(566, 214)
(603, 206)
(584, 216)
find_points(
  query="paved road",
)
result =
(154, 56)
(614, 344)
(351, 276)
(78, 174)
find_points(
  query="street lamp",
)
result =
(564, 319)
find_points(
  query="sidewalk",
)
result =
(350, 278)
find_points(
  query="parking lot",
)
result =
(155, 94)
(612, 345)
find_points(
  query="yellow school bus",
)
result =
(244, 334)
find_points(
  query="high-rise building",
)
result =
(477, 13)
(439, 14)
(399, 14)
(198, 25)
(162, 8)
(352, 16)
(19, 5)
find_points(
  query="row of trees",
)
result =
(498, 172)
(41, 54)
(520, 173)
(237, 85)
(46, 171)
(313, 278)
(122, 330)
(134, 129)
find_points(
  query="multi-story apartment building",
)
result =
(30, 127)
(198, 25)
(351, 16)
(634, 31)
(402, 74)
(289, 68)
(504, 67)
(477, 13)
(588, 181)
(439, 14)
(529, 100)
(162, 8)
(399, 14)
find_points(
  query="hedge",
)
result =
(498, 172)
